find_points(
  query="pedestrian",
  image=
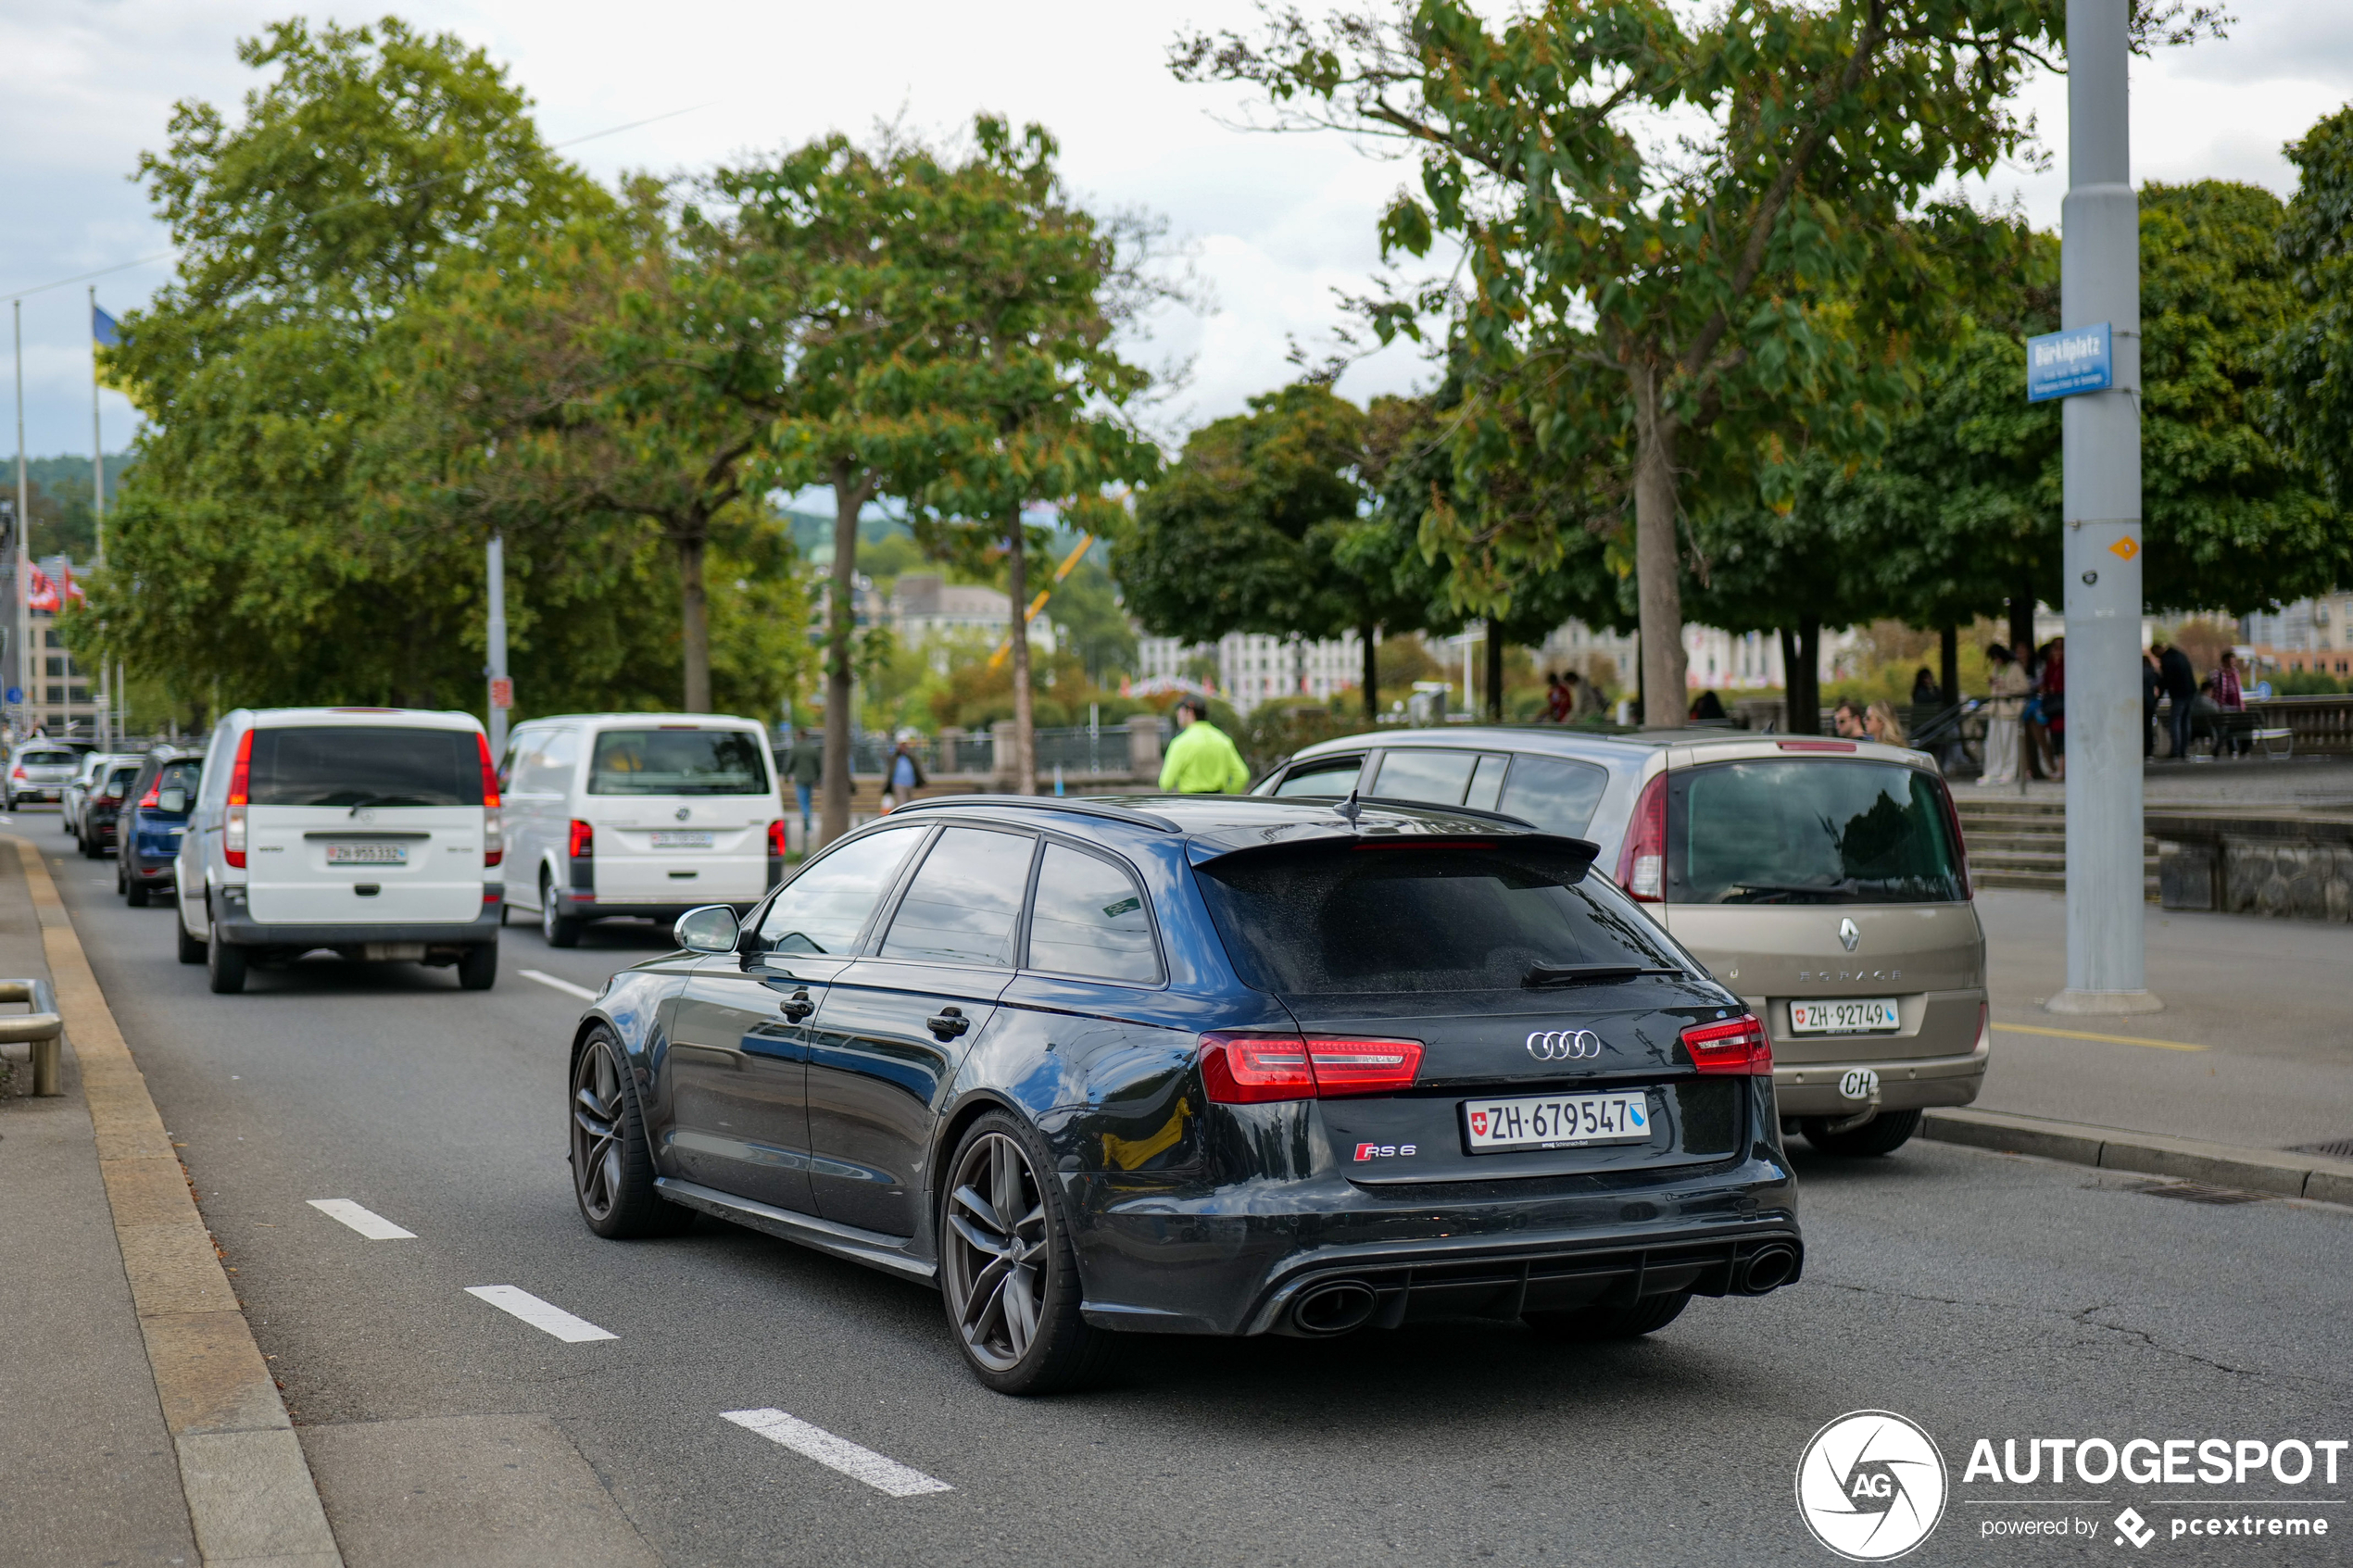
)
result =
(2229, 698)
(1201, 760)
(808, 773)
(1584, 697)
(1708, 708)
(2006, 706)
(2052, 686)
(1926, 693)
(905, 777)
(1881, 724)
(2152, 687)
(1559, 699)
(1846, 721)
(2180, 678)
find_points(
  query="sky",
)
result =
(1277, 225)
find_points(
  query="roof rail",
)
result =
(1046, 803)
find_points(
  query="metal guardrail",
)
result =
(41, 1026)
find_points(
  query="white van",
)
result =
(372, 831)
(644, 814)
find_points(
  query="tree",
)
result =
(2310, 360)
(1764, 277)
(1249, 531)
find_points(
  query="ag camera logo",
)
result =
(1870, 1486)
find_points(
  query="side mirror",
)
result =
(174, 800)
(711, 929)
(113, 792)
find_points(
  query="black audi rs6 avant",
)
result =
(1198, 1065)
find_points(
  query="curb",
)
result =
(250, 1496)
(2108, 1148)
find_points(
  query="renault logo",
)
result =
(1564, 1045)
(1850, 936)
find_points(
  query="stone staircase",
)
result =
(2022, 843)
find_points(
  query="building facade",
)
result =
(1249, 668)
(61, 699)
(2314, 635)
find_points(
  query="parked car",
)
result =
(1824, 881)
(1198, 1065)
(102, 811)
(639, 814)
(372, 831)
(153, 821)
(38, 770)
(93, 768)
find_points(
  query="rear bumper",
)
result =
(1904, 1083)
(576, 906)
(240, 930)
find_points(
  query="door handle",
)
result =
(798, 1006)
(948, 1023)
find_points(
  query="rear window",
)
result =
(365, 765)
(682, 761)
(1378, 918)
(49, 758)
(1810, 831)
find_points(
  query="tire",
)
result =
(612, 1167)
(135, 892)
(1646, 1316)
(1883, 1134)
(560, 930)
(1010, 1284)
(478, 971)
(191, 950)
(224, 965)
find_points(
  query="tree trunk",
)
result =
(1494, 673)
(1948, 661)
(1024, 724)
(1365, 635)
(2022, 628)
(1657, 562)
(693, 622)
(852, 486)
(1801, 678)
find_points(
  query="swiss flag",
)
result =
(39, 592)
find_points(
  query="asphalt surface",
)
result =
(1980, 1295)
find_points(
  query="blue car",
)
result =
(1198, 1065)
(155, 816)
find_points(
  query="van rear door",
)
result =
(364, 824)
(681, 814)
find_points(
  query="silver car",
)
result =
(86, 780)
(1822, 881)
(38, 770)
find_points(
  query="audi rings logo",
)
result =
(1564, 1045)
(1870, 1486)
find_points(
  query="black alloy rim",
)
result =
(597, 1129)
(996, 1268)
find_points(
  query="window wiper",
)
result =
(1824, 890)
(367, 800)
(1547, 975)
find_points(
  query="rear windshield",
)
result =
(49, 758)
(365, 765)
(678, 762)
(180, 776)
(1375, 918)
(1810, 831)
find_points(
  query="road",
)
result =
(1978, 1295)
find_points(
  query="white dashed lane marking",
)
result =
(539, 1314)
(838, 1453)
(372, 1226)
(566, 986)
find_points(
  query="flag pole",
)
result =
(99, 512)
(23, 617)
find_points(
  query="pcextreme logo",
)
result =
(1870, 1486)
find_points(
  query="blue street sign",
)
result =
(2062, 364)
(16, 694)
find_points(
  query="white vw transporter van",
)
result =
(643, 814)
(371, 831)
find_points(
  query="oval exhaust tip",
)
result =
(1769, 1270)
(1334, 1309)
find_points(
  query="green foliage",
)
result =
(2305, 682)
(2310, 360)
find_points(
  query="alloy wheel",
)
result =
(597, 1128)
(996, 1266)
(547, 911)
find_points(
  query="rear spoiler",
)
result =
(1427, 827)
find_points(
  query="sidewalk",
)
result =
(88, 1472)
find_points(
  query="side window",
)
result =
(558, 758)
(518, 761)
(1089, 919)
(1326, 775)
(1439, 777)
(964, 903)
(1557, 796)
(823, 909)
(1486, 782)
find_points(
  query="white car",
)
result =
(95, 768)
(371, 831)
(38, 770)
(643, 814)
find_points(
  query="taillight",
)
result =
(494, 839)
(1642, 865)
(1254, 1069)
(489, 776)
(233, 831)
(154, 797)
(582, 842)
(1737, 1045)
(777, 840)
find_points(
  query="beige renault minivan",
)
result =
(1822, 881)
